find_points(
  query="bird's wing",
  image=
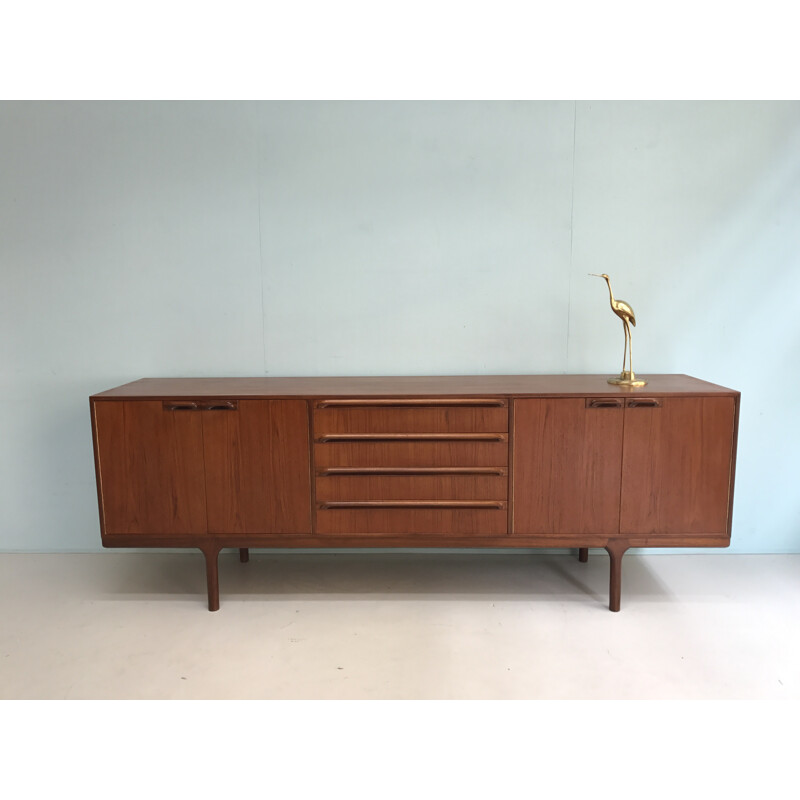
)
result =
(627, 311)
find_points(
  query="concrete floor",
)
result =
(399, 626)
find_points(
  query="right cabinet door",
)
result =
(257, 467)
(676, 465)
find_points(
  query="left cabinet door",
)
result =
(150, 468)
(567, 454)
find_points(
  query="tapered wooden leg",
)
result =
(583, 554)
(244, 555)
(212, 575)
(615, 549)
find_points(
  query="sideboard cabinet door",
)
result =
(258, 477)
(150, 467)
(567, 455)
(676, 467)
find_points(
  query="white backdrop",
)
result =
(375, 238)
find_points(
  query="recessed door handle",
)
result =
(604, 402)
(644, 402)
(172, 406)
(225, 405)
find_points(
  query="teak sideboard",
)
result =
(486, 461)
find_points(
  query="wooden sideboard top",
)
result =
(411, 386)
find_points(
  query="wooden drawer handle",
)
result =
(411, 471)
(402, 403)
(644, 402)
(411, 504)
(604, 402)
(412, 437)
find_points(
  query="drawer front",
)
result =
(487, 521)
(411, 466)
(412, 453)
(411, 419)
(413, 487)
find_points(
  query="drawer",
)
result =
(470, 519)
(414, 486)
(492, 452)
(411, 419)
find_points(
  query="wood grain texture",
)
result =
(567, 462)
(410, 454)
(215, 463)
(412, 487)
(677, 467)
(410, 420)
(150, 469)
(437, 523)
(616, 550)
(257, 468)
(410, 386)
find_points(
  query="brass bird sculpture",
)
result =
(625, 313)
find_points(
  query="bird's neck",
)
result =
(610, 293)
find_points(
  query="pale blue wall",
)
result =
(147, 239)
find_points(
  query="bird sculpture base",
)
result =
(627, 379)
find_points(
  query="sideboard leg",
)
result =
(244, 555)
(212, 576)
(583, 554)
(615, 549)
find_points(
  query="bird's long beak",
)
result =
(595, 275)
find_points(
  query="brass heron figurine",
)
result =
(625, 313)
